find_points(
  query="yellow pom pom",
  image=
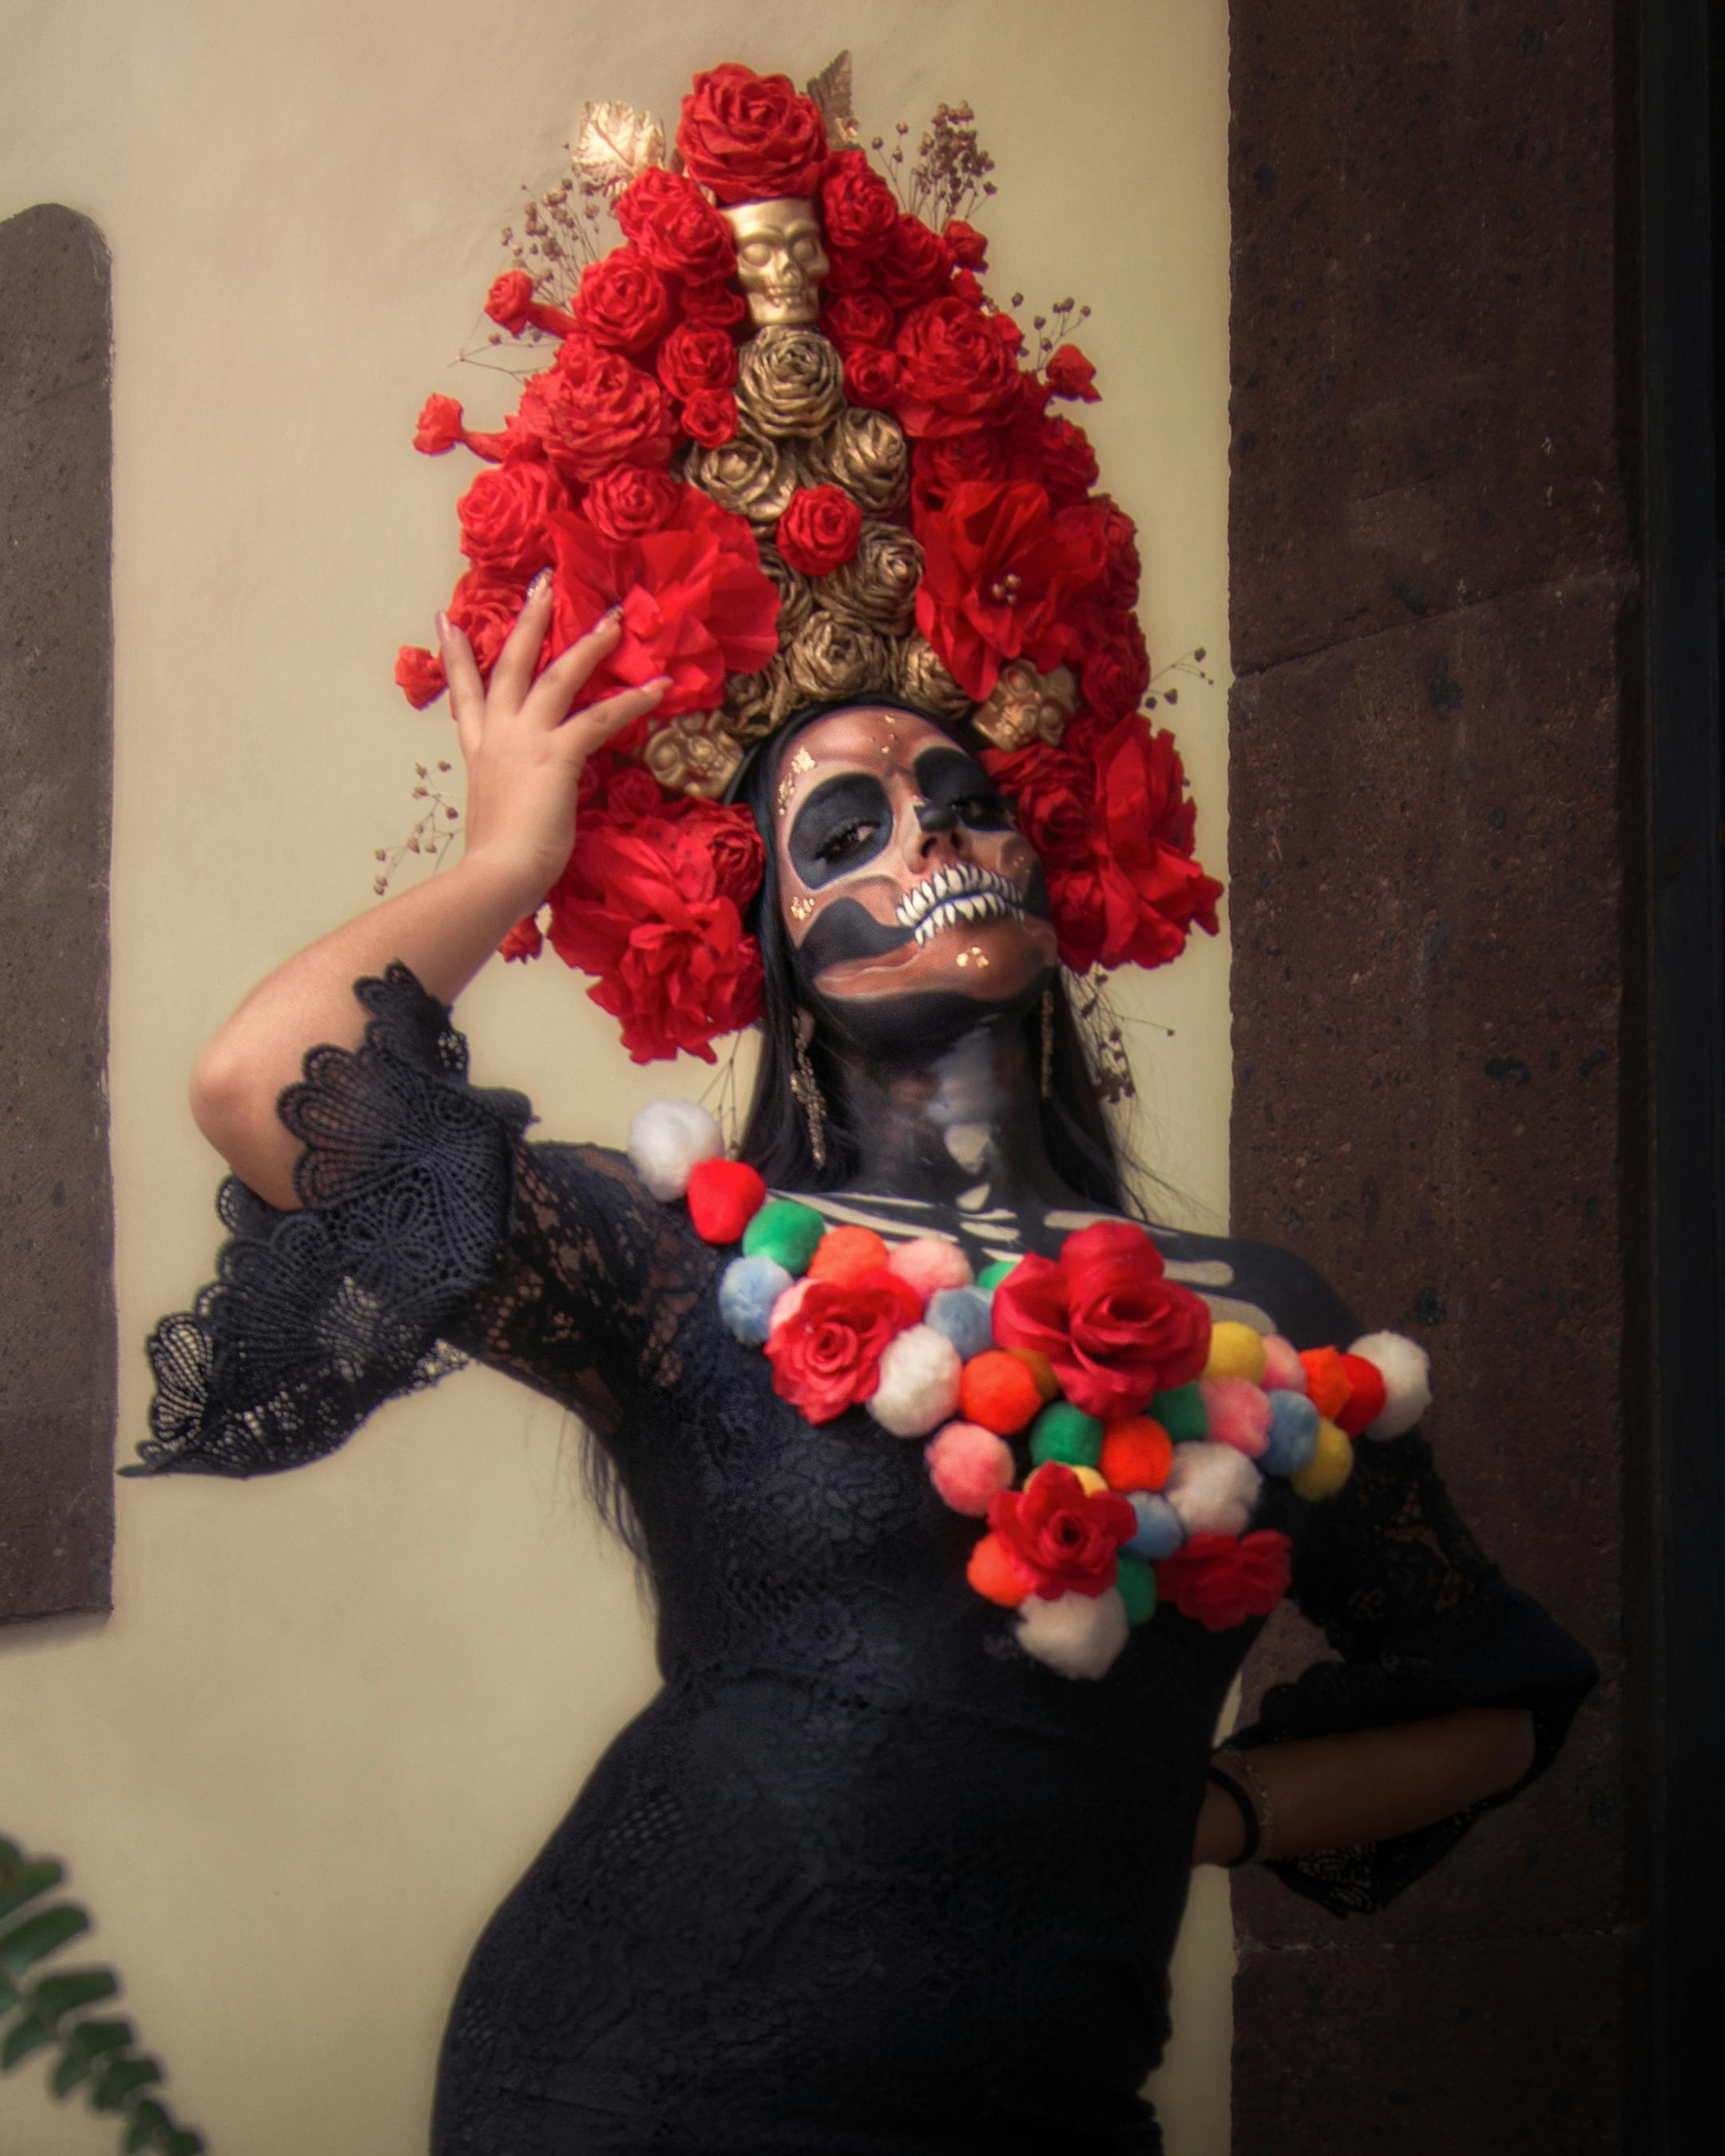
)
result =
(1092, 1478)
(1040, 1368)
(1329, 1467)
(1235, 1352)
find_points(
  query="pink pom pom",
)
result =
(968, 1465)
(930, 1264)
(1237, 1413)
(789, 1302)
(1283, 1370)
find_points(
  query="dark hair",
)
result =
(775, 1137)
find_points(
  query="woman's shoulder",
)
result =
(1269, 1281)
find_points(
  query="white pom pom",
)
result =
(919, 1381)
(1213, 1487)
(667, 1141)
(1405, 1368)
(1078, 1635)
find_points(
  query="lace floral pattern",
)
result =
(864, 1876)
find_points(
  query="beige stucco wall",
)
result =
(334, 1713)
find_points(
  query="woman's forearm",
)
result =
(1367, 1786)
(444, 929)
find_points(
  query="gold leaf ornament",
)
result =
(831, 91)
(615, 145)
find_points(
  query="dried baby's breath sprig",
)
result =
(1053, 328)
(1189, 662)
(1111, 1066)
(431, 835)
(558, 236)
(950, 176)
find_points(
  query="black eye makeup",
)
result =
(948, 779)
(841, 825)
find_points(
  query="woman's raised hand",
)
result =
(523, 746)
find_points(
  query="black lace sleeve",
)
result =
(429, 1226)
(1425, 1625)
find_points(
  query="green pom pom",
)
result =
(1064, 1432)
(1136, 1582)
(1180, 1413)
(992, 1275)
(786, 1232)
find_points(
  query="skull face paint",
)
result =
(780, 259)
(900, 874)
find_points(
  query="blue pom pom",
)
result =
(963, 1316)
(1160, 1530)
(1293, 1434)
(746, 1294)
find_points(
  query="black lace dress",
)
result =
(862, 1877)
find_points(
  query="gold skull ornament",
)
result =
(780, 259)
(1028, 706)
(693, 753)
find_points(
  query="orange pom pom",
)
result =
(724, 1196)
(1040, 1368)
(996, 1390)
(1366, 1396)
(1136, 1453)
(1327, 1382)
(844, 1254)
(992, 1571)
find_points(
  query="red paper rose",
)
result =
(751, 136)
(696, 356)
(850, 319)
(871, 377)
(709, 416)
(523, 941)
(857, 207)
(695, 602)
(714, 306)
(627, 503)
(1115, 1331)
(1062, 1538)
(1154, 888)
(624, 302)
(1221, 1581)
(439, 426)
(819, 529)
(591, 410)
(1101, 524)
(1071, 374)
(993, 581)
(1113, 666)
(510, 303)
(485, 608)
(959, 369)
(948, 460)
(914, 266)
(676, 227)
(826, 1357)
(727, 835)
(965, 243)
(504, 515)
(420, 675)
(1056, 454)
(642, 910)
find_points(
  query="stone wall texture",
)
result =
(1435, 623)
(57, 1338)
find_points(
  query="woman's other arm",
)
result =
(1367, 1785)
(524, 752)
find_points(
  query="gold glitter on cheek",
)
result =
(801, 908)
(975, 952)
(802, 761)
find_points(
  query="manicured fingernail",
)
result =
(541, 582)
(445, 628)
(659, 681)
(610, 614)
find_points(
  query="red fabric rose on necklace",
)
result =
(1115, 1331)
(826, 1356)
(750, 137)
(1062, 1538)
(1221, 1581)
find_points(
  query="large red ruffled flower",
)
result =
(1115, 1331)
(960, 369)
(591, 410)
(695, 603)
(676, 227)
(994, 580)
(1062, 1538)
(826, 1356)
(751, 136)
(1221, 1580)
(643, 909)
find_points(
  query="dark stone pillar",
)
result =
(1435, 621)
(57, 1344)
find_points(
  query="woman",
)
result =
(862, 1877)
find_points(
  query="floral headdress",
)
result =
(785, 427)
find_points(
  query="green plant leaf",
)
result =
(10, 1854)
(22, 1882)
(52, 1996)
(181, 2142)
(69, 2071)
(27, 1943)
(147, 2119)
(24, 2036)
(91, 2038)
(115, 2083)
(9, 1995)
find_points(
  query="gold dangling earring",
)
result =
(1048, 1033)
(805, 1092)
